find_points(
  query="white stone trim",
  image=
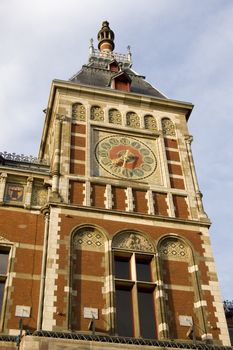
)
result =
(108, 197)
(150, 202)
(51, 271)
(162, 327)
(193, 268)
(200, 303)
(129, 199)
(159, 294)
(109, 310)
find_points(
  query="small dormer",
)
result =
(121, 81)
(113, 66)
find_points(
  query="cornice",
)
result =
(156, 218)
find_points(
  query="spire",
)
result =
(106, 38)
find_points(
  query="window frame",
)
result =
(4, 247)
(136, 286)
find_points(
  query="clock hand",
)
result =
(125, 157)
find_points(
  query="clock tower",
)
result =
(126, 256)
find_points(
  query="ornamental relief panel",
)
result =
(168, 127)
(150, 123)
(132, 241)
(97, 114)
(114, 116)
(79, 112)
(132, 120)
(89, 238)
(39, 196)
(174, 249)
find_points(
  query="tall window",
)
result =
(4, 255)
(134, 290)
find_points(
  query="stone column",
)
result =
(28, 196)
(3, 178)
(188, 141)
(57, 153)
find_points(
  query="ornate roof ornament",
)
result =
(106, 38)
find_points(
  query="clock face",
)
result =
(125, 157)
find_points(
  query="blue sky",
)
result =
(183, 47)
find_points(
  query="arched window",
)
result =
(97, 114)
(132, 120)
(150, 122)
(89, 269)
(135, 276)
(79, 112)
(114, 116)
(168, 127)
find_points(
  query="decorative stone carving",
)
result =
(150, 122)
(132, 241)
(22, 158)
(168, 127)
(88, 237)
(97, 114)
(79, 112)
(174, 248)
(39, 196)
(14, 192)
(114, 116)
(132, 120)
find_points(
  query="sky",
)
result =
(183, 47)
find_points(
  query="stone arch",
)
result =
(132, 120)
(180, 277)
(168, 127)
(150, 122)
(97, 113)
(89, 275)
(114, 116)
(79, 112)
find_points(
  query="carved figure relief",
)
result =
(150, 122)
(114, 116)
(132, 241)
(132, 120)
(168, 127)
(97, 114)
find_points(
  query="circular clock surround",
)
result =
(125, 157)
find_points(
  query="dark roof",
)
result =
(96, 73)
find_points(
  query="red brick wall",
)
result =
(181, 208)
(21, 226)
(140, 201)
(77, 155)
(160, 204)
(97, 195)
(175, 272)
(77, 192)
(89, 288)
(177, 183)
(119, 198)
(172, 155)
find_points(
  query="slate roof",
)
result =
(97, 74)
